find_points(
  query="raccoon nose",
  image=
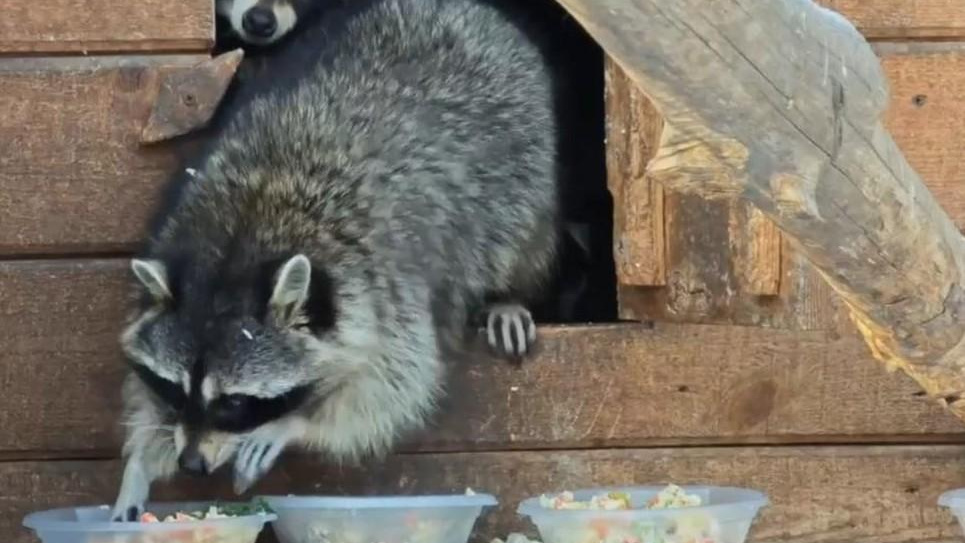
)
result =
(192, 461)
(259, 22)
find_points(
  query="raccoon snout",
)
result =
(191, 461)
(259, 22)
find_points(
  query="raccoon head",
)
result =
(263, 22)
(223, 354)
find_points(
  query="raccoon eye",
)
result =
(169, 391)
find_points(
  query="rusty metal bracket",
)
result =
(187, 99)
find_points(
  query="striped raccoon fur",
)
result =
(315, 265)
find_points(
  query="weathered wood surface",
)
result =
(897, 19)
(633, 129)
(91, 26)
(711, 280)
(880, 495)
(781, 102)
(73, 175)
(613, 385)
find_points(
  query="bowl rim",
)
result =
(748, 499)
(388, 503)
(35, 521)
(953, 499)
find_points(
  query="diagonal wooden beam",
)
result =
(781, 103)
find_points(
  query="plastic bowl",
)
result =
(393, 519)
(93, 525)
(955, 500)
(725, 517)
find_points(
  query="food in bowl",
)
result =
(671, 497)
(670, 514)
(165, 523)
(213, 512)
(385, 519)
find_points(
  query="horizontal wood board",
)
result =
(817, 494)
(597, 386)
(904, 19)
(91, 26)
(74, 179)
(73, 175)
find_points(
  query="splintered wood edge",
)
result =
(187, 99)
(800, 136)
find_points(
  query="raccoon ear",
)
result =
(291, 290)
(153, 276)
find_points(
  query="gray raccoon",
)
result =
(264, 22)
(305, 280)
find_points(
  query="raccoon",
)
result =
(312, 271)
(263, 22)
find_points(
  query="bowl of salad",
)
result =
(647, 514)
(392, 519)
(162, 523)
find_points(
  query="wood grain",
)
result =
(73, 175)
(817, 494)
(801, 137)
(613, 385)
(927, 116)
(633, 129)
(91, 26)
(897, 19)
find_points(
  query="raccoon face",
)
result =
(263, 22)
(226, 355)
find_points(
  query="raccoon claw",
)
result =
(254, 460)
(510, 330)
(132, 514)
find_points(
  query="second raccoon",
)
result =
(314, 266)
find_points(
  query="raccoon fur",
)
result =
(311, 270)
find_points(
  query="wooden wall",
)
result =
(846, 451)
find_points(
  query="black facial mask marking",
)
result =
(241, 413)
(170, 392)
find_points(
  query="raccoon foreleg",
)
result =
(144, 466)
(510, 330)
(260, 450)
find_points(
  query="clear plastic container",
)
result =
(393, 519)
(93, 525)
(955, 500)
(725, 517)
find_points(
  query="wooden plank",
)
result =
(827, 173)
(613, 385)
(723, 268)
(91, 26)
(73, 175)
(756, 247)
(713, 283)
(818, 495)
(898, 19)
(927, 116)
(633, 129)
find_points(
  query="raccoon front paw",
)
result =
(135, 488)
(510, 330)
(257, 455)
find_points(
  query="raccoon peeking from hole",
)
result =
(314, 267)
(264, 22)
